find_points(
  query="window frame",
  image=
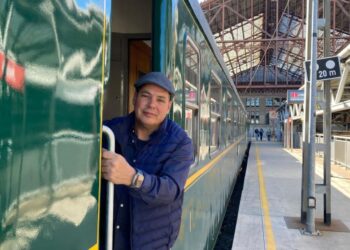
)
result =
(195, 107)
(217, 115)
(229, 118)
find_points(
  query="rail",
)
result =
(340, 149)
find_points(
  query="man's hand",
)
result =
(116, 169)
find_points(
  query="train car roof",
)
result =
(197, 10)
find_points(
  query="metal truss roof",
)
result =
(263, 41)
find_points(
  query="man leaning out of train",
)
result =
(150, 167)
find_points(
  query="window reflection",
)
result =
(191, 92)
(215, 112)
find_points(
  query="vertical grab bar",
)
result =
(110, 193)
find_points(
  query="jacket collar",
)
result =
(156, 135)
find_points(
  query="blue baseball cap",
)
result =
(158, 79)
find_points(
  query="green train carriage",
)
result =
(65, 66)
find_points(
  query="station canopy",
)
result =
(263, 41)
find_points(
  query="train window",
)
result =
(229, 117)
(191, 92)
(236, 119)
(215, 112)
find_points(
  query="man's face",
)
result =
(152, 104)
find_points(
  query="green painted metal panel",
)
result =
(205, 204)
(51, 60)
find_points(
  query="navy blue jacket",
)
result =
(155, 208)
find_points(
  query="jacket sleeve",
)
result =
(168, 185)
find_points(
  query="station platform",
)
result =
(269, 212)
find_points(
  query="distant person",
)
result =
(268, 134)
(256, 133)
(261, 133)
(149, 168)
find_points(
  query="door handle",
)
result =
(110, 193)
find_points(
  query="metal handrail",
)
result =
(340, 146)
(110, 193)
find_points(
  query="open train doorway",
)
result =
(139, 64)
(131, 54)
(130, 57)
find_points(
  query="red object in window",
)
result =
(2, 64)
(15, 75)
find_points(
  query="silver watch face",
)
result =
(139, 180)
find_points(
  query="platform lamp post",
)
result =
(327, 116)
(306, 148)
(311, 199)
(327, 68)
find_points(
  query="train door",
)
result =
(131, 57)
(131, 54)
(139, 64)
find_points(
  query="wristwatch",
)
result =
(137, 180)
